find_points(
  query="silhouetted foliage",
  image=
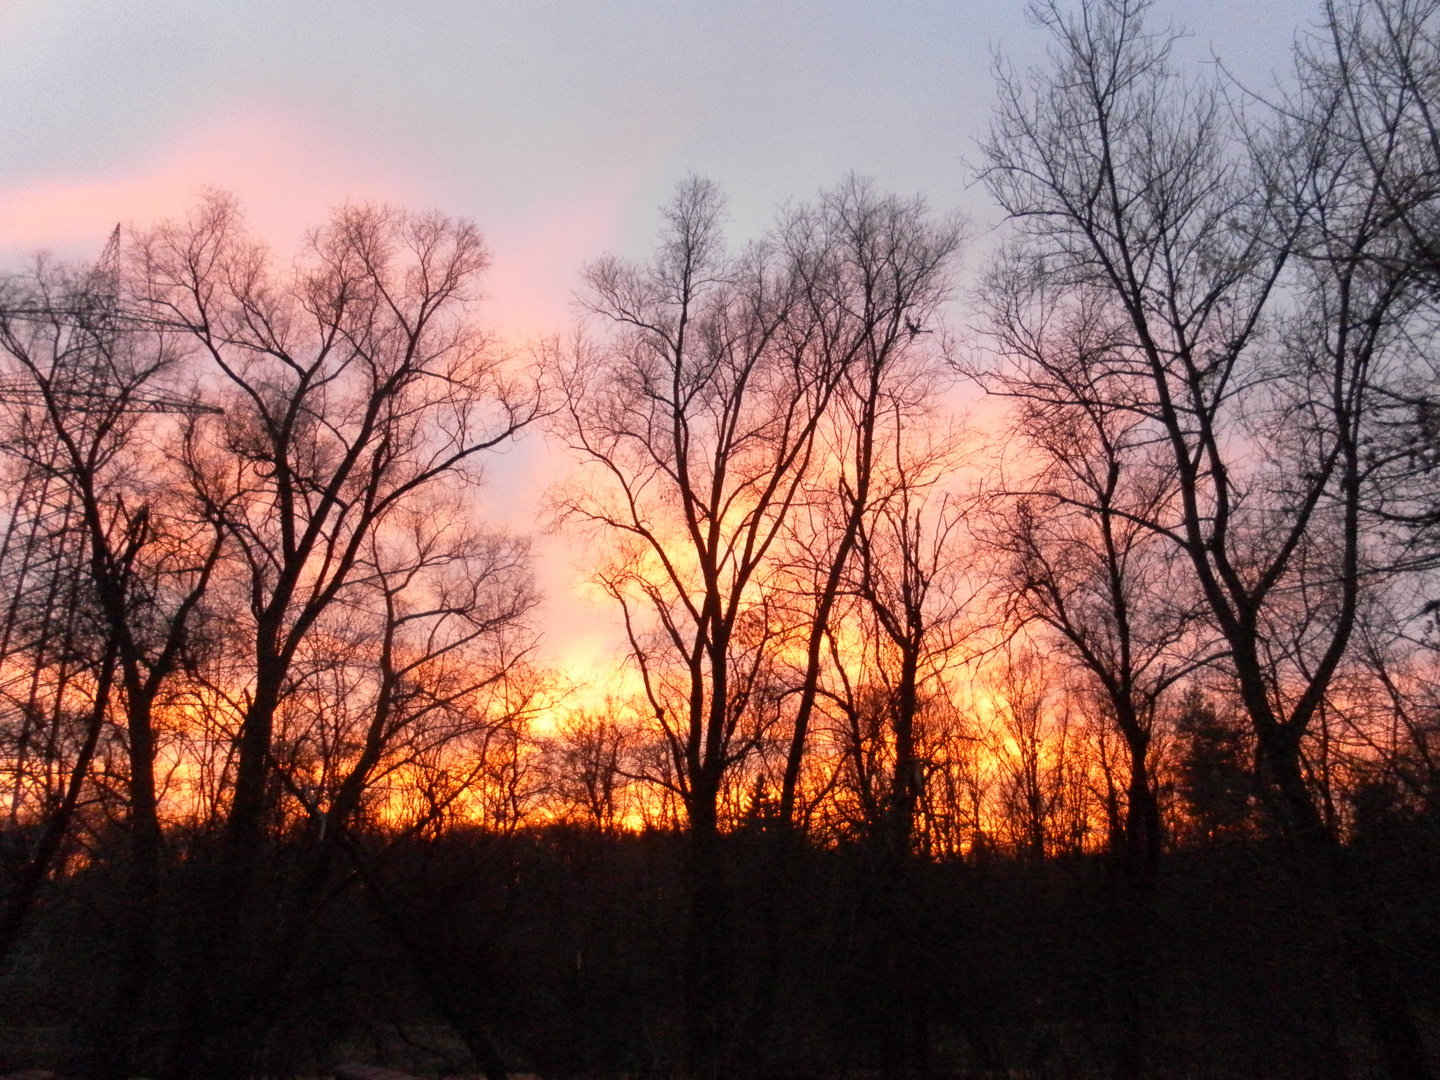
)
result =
(1215, 774)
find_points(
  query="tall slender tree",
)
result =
(696, 420)
(1242, 265)
(875, 289)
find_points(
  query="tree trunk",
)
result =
(706, 944)
(1143, 839)
(1278, 765)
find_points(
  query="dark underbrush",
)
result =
(568, 949)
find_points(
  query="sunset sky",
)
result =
(558, 125)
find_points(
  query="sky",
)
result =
(558, 125)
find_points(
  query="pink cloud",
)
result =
(286, 173)
(539, 255)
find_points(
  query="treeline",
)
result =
(1074, 738)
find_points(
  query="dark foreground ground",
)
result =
(569, 951)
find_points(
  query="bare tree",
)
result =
(695, 421)
(898, 638)
(1242, 266)
(894, 652)
(1074, 526)
(874, 291)
(428, 673)
(353, 387)
(1030, 738)
(1370, 76)
(591, 766)
(912, 573)
(1376, 63)
(89, 397)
